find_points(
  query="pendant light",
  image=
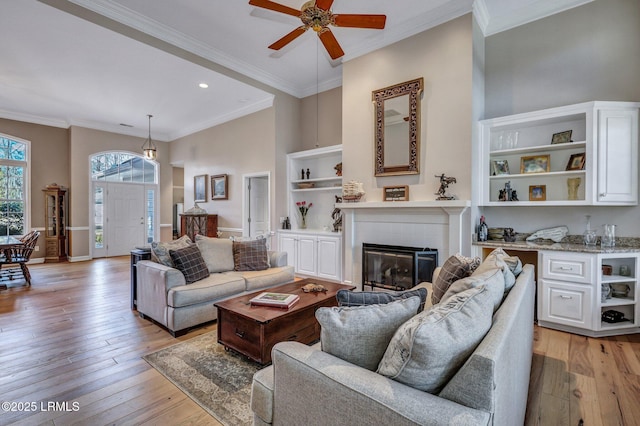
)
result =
(149, 148)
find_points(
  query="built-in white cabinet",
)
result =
(314, 176)
(583, 154)
(313, 254)
(577, 291)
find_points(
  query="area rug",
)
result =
(218, 380)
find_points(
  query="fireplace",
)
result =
(397, 267)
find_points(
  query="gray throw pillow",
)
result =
(511, 266)
(250, 255)
(363, 298)
(189, 261)
(454, 268)
(427, 350)
(216, 252)
(492, 278)
(361, 334)
(160, 250)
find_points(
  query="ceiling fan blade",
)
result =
(361, 21)
(288, 38)
(331, 44)
(277, 7)
(324, 4)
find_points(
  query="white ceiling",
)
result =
(103, 63)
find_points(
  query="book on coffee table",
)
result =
(278, 300)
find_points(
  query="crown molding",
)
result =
(541, 9)
(323, 86)
(481, 13)
(35, 119)
(139, 22)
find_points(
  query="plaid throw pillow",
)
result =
(189, 261)
(250, 255)
(363, 298)
(160, 251)
(454, 268)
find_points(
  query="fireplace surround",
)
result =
(397, 267)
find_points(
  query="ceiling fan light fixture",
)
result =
(149, 148)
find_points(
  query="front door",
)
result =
(125, 218)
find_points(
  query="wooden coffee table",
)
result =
(253, 330)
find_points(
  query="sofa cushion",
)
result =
(363, 298)
(216, 252)
(427, 350)
(250, 255)
(361, 334)
(189, 261)
(454, 268)
(492, 278)
(257, 280)
(511, 266)
(212, 288)
(160, 250)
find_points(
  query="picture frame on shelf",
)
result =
(535, 164)
(219, 187)
(561, 137)
(396, 193)
(537, 192)
(499, 167)
(576, 161)
(200, 189)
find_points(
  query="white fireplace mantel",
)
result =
(437, 224)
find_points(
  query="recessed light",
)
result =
(203, 85)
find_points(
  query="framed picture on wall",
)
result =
(396, 193)
(219, 187)
(200, 189)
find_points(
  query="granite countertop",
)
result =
(570, 243)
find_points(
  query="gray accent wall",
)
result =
(591, 52)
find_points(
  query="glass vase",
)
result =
(302, 222)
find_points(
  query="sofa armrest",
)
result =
(154, 282)
(308, 381)
(277, 258)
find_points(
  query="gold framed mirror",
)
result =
(397, 128)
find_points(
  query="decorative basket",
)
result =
(306, 185)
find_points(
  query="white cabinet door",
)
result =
(287, 243)
(617, 156)
(307, 255)
(565, 303)
(329, 258)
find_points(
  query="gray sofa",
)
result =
(164, 296)
(307, 386)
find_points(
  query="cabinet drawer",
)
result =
(571, 267)
(564, 303)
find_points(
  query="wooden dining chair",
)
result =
(20, 255)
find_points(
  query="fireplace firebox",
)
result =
(397, 267)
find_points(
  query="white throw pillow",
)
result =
(361, 334)
(427, 350)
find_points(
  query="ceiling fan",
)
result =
(317, 16)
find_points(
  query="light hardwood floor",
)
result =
(71, 337)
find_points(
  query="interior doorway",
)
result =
(256, 204)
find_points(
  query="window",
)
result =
(122, 167)
(14, 171)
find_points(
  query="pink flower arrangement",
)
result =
(303, 208)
